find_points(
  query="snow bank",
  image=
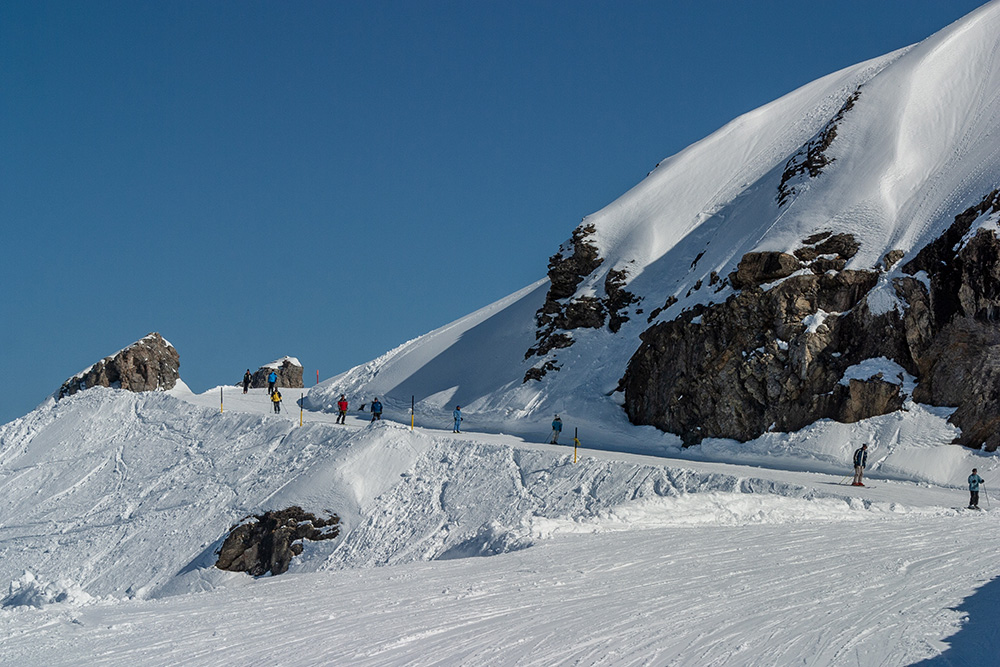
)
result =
(28, 591)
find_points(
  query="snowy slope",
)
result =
(917, 146)
(117, 501)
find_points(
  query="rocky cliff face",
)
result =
(147, 365)
(778, 354)
(288, 370)
(268, 542)
(564, 310)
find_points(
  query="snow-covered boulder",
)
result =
(149, 364)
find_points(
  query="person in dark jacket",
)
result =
(860, 461)
(246, 381)
(974, 481)
(376, 410)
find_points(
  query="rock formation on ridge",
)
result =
(149, 364)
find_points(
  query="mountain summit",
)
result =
(814, 218)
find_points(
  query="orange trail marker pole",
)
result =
(317, 376)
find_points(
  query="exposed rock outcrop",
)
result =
(149, 364)
(774, 357)
(812, 159)
(288, 370)
(563, 312)
(268, 542)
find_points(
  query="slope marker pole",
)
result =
(413, 404)
(220, 400)
(576, 442)
(301, 401)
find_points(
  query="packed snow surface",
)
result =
(481, 548)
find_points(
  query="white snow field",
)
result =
(472, 548)
(489, 547)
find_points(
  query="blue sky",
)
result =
(330, 179)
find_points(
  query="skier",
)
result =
(276, 399)
(246, 381)
(974, 481)
(457, 414)
(860, 461)
(272, 378)
(376, 410)
(556, 430)
(342, 410)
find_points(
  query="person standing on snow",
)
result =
(342, 410)
(272, 378)
(276, 399)
(974, 481)
(860, 461)
(246, 381)
(376, 410)
(556, 430)
(457, 414)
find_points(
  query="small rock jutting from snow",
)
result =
(271, 540)
(149, 364)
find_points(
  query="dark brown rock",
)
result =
(268, 542)
(149, 364)
(287, 369)
(757, 268)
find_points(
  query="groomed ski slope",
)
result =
(473, 548)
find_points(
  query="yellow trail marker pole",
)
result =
(576, 443)
(301, 397)
(220, 400)
(412, 406)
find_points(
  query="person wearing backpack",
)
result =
(376, 410)
(276, 400)
(342, 410)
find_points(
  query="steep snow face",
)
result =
(888, 151)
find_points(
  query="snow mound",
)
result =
(29, 591)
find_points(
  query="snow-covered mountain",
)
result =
(884, 154)
(860, 209)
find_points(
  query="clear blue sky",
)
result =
(330, 179)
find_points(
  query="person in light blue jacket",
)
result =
(457, 414)
(272, 378)
(974, 481)
(556, 430)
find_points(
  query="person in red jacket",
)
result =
(342, 410)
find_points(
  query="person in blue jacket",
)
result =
(974, 481)
(860, 461)
(272, 378)
(376, 410)
(457, 414)
(556, 430)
